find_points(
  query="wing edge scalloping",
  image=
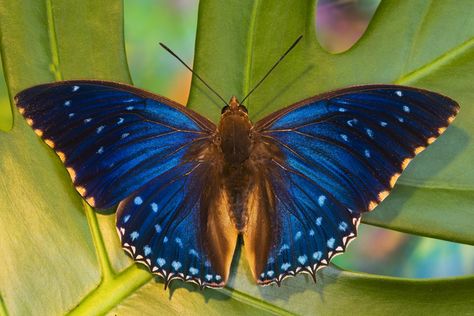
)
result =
(311, 270)
(167, 276)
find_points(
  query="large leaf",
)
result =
(59, 256)
(420, 43)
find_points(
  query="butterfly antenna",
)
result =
(192, 71)
(271, 69)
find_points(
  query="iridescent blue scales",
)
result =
(294, 184)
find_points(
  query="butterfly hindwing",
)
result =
(338, 155)
(179, 227)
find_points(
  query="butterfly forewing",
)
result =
(112, 138)
(339, 155)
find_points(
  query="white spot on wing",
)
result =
(399, 93)
(146, 250)
(75, 88)
(100, 150)
(193, 271)
(134, 235)
(342, 226)
(321, 200)
(330, 242)
(138, 200)
(317, 255)
(344, 137)
(302, 259)
(179, 242)
(99, 129)
(284, 247)
(126, 218)
(154, 207)
(383, 124)
(125, 135)
(67, 103)
(352, 122)
(298, 235)
(120, 121)
(311, 232)
(87, 120)
(319, 220)
(129, 108)
(406, 109)
(71, 115)
(285, 266)
(370, 132)
(158, 228)
(367, 153)
(270, 273)
(342, 110)
(161, 262)
(176, 265)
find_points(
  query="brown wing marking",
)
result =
(262, 227)
(218, 233)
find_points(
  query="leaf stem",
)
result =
(110, 293)
(106, 269)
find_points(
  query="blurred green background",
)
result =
(339, 25)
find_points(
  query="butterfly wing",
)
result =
(326, 160)
(118, 142)
(179, 226)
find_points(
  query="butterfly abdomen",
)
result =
(237, 182)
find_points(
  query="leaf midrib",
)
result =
(53, 43)
(250, 44)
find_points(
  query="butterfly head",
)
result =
(234, 107)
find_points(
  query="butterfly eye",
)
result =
(225, 109)
(243, 108)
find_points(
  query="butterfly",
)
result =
(293, 185)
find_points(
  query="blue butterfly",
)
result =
(293, 184)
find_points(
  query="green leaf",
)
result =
(420, 43)
(60, 256)
(49, 260)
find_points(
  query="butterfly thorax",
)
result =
(234, 131)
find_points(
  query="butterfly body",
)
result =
(293, 184)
